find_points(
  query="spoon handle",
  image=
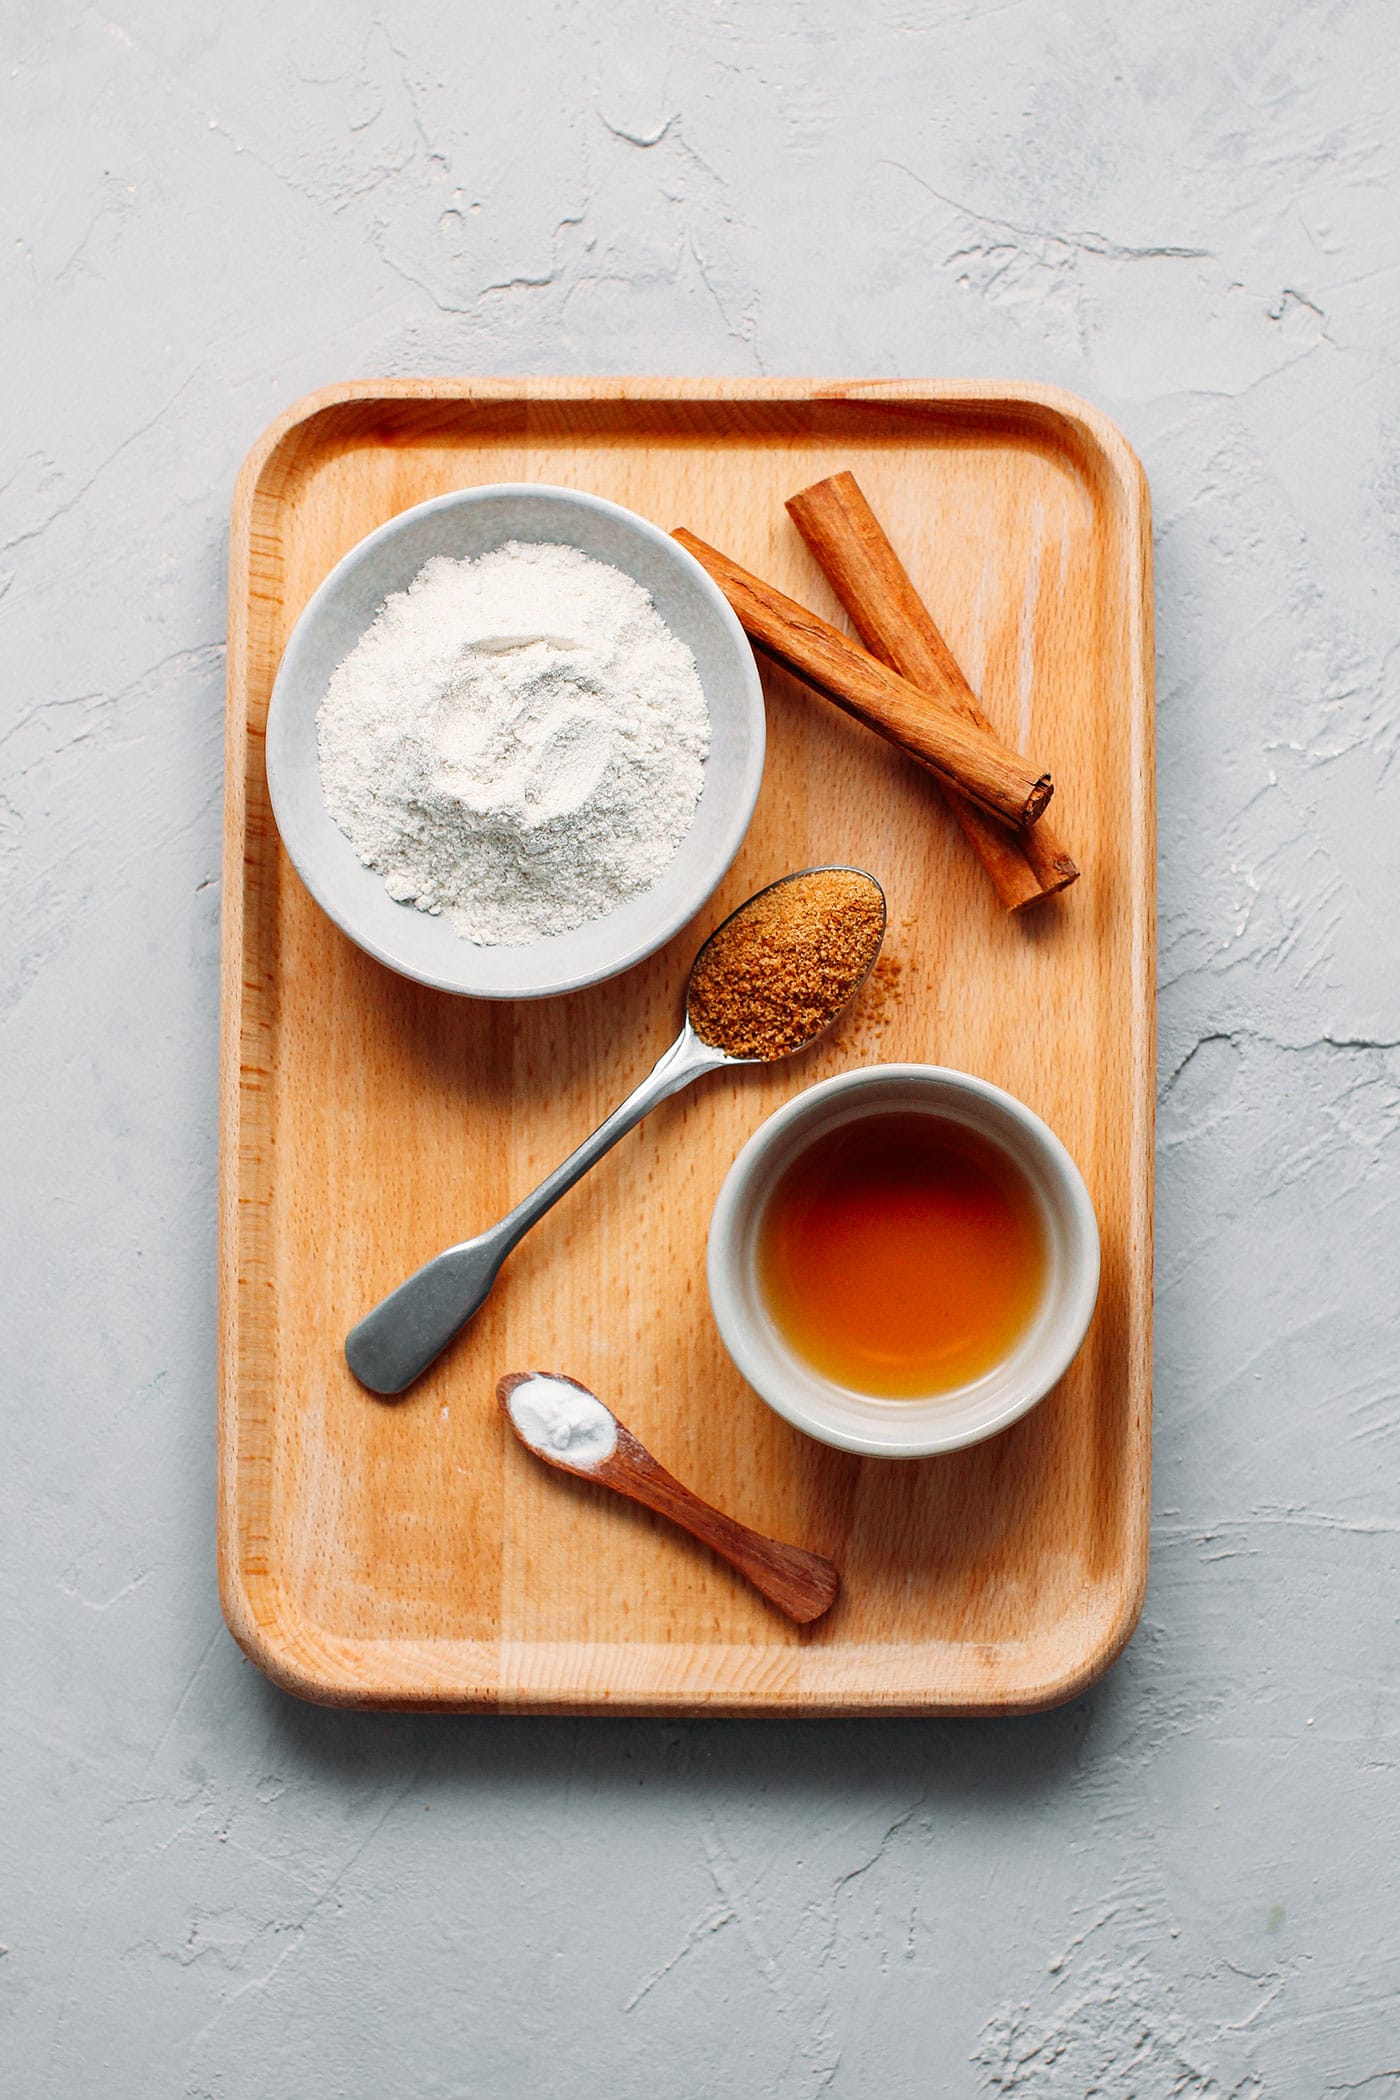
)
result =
(802, 1584)
(687, 1058)
(395, 1342)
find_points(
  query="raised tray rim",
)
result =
(312, 1663)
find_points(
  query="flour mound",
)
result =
(518, 742)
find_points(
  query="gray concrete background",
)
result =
(1183, 1884)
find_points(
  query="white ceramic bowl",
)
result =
(469, 522)
(943, 1422)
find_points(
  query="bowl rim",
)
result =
(737, 813)
(724, 1266)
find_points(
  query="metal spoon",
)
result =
(405, 1332)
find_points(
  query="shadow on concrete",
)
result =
(1009, 1762)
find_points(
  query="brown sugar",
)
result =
(883, 991)
(771, 978)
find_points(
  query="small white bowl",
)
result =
(854, 1421)
(467, 523)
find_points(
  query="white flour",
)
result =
(518, 742)
(555, 1416)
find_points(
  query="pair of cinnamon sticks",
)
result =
(905, 683)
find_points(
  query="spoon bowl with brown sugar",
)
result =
(769, 981)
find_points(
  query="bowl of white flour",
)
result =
(515, 741)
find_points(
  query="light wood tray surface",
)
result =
(410, 1553)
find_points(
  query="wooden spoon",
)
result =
(591, 1443)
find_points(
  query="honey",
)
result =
(902, 1255)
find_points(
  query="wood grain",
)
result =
(407, 1554)
(873, 585)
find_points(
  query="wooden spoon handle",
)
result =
(802, 1584)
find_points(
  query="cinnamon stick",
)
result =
(892, 620)
(977, 763)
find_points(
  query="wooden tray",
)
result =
(410, 1554)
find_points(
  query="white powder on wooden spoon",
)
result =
(517, 742)
(563, 1420)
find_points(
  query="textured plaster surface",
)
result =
(1183, 1884)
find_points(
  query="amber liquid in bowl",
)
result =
(902, 1255)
